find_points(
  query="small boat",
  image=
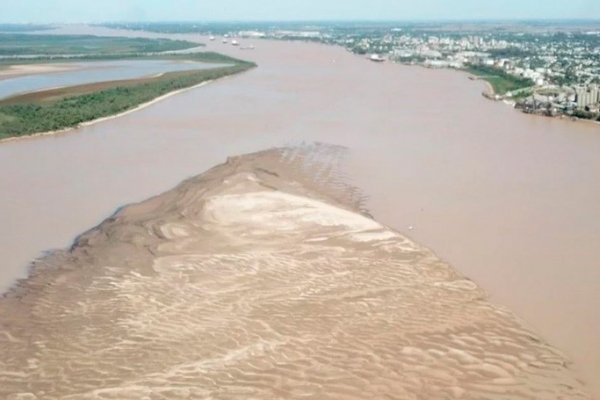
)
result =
(376, 58)
(211, 38)
(225, 41)
(234, 43)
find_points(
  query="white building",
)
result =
(587, 96)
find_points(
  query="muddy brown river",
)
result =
(510, 200)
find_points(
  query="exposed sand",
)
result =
(31, 69)
(510, 200)
(254, 281)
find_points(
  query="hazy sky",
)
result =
(203, 10)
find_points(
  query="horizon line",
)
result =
(309, 20)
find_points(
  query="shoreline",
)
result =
(487, 93)
(490, 93)
(107, 118)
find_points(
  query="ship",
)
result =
(376, 58)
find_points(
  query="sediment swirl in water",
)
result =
(254, 281)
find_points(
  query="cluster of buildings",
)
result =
(581, 102)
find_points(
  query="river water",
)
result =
(80, 73)
(510, 200)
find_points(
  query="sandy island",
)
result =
(14, 71)
(253, 280)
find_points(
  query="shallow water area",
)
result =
(79, 73)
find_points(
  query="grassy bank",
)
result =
(501, 81)
(17, 44)
(68, 107)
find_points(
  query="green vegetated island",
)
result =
(20, 44)
(68, 107)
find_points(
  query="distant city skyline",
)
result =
(73, 11)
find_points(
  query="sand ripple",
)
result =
(246, 283)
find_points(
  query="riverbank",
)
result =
(499, 91)
(500, 81)
(245, 246)
(490, 94)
